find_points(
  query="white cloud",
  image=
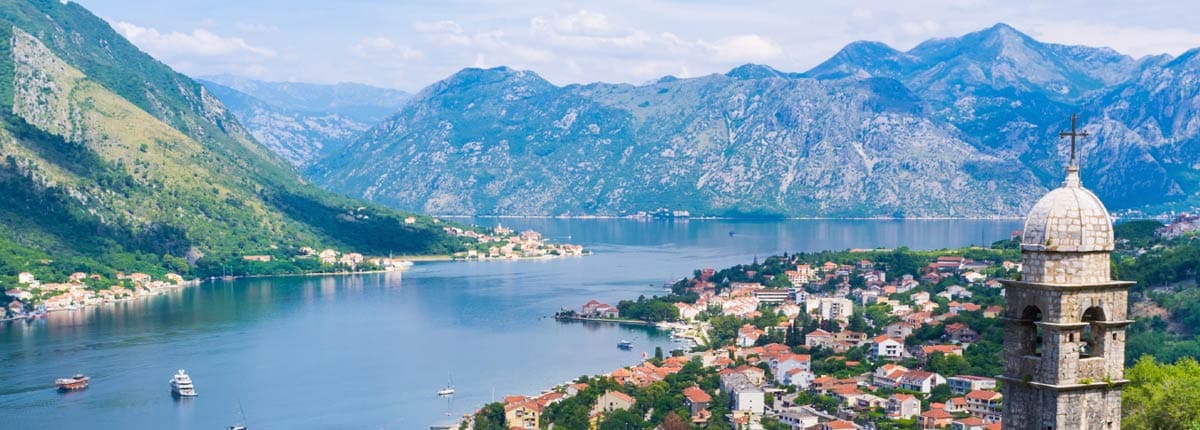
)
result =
(747, 47)
(585, 46)
(378, 46)
(445, 26)
(583, 22)
(246, 27)
(1132, 40)
(199, 43)
(615, 41)
(922, 28)
(443, 32)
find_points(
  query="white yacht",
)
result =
(181, 385)
(449, 390)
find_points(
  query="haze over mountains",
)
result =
(962, 126)
(301, 121)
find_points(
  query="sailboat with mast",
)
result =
(241, 425)
(449, 390)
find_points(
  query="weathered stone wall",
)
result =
(1094, 408)
(1065, 268)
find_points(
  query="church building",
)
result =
(1065, 320)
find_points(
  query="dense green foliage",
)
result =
(1162, 396)
(191, 203)
(1165, 273)
(660, 400)
(653, 309)
(895, 262)
(491, 417)
(1138, 232)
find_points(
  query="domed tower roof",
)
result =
(1068, 219)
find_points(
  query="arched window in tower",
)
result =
(1093, 336)
(1031, 332)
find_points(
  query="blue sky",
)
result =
(408, 45)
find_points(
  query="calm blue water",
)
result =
(370, 351)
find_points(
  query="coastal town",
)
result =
(31, 298)
(504, 243)
(797, 342)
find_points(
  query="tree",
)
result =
(940, 394)
(774, 424)
(673, 422)
(621, 420)
(794, 336)
(779, 282)
(658, 353)
(948, 364)
(857, 322)
(491, 417)
(1162, 396)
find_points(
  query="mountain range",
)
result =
(112, 161)
(964, 126)
(299, 121)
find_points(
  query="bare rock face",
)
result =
(507, 142)
(302, 122)
(953, 127)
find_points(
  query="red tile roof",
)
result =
(696, 395)
(840, 424)
(983, 395)
(937, 414)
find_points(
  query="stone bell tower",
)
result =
(1064, 337)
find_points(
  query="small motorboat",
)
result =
(625, 344)
(181, 385)
(74, 383)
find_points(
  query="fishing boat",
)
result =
(181, 385)
(449, 390)
(74, 383)
(625, 344)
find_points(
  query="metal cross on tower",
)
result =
(1073, 134)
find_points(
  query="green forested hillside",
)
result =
(112, 161)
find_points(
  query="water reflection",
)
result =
(370, 351)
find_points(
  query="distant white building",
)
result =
(829, 308)
(743, 394)
(781, 366)
(797, 418)
(884, 347)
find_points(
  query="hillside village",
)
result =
(31, 298)
(505, 243)
(799, 343)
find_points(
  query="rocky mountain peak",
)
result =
(754, 71)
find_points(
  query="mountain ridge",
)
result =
(114, 162)
(997, 93)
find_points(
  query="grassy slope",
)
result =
(128, 163)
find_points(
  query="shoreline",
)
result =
(414, 259)
(734, 218)
(561, 318)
